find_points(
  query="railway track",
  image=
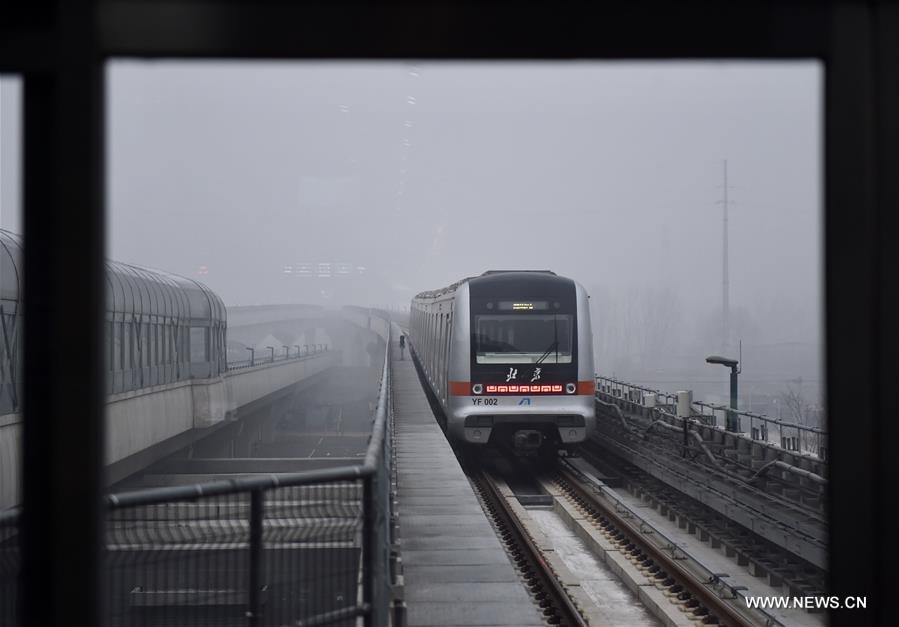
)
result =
(554, 603)
(797, 528)
(674, 588)
(700, 595)
(780, 567)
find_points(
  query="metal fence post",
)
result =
(368, 549)
(256, 510)
(382, 530)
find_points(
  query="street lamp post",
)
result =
(733, 422)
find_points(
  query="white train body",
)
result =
(509, 356)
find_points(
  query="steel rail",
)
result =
(635, 529)
(563, 602)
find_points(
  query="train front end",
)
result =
(526, 380)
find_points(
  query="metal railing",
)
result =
(10, 564)
(303, 351)
(301, 549)
(632, 391)
(790, 436)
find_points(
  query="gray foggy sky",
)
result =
(424, 173)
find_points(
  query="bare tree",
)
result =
(793, 400)
(635, 329)
(803, 413)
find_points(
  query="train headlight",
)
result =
(477, 388)
(571, 388)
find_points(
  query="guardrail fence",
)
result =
(302, 351)
(253, 552)
(301, 549)
(790, 436)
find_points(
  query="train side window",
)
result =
(430, 342)
(446, 347)
(437, 324)
(434, 328)
(440, 354)
(438, 358)
(433, 343)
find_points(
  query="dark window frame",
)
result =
(59, 48)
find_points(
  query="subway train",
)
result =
(509, 357)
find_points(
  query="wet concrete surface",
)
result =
(616, 604)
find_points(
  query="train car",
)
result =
(509, 357)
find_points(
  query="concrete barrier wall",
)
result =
(250, 384)
(139, 419)
(143, 418)
(135, 421)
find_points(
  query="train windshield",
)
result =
(523, 338)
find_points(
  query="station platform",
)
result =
(456, 572)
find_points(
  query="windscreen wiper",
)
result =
(555, 344)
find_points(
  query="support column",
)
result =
(64, 292)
